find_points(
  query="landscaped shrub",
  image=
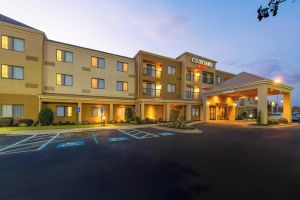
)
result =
(25, 122)
(283, 120)
(129, 114)
(85, 122)
(273, 121)
(46, 116)
(174, 115)
(6, 121)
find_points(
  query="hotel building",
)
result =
(78, 83)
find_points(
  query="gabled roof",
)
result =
(14, 22)
(240, 79)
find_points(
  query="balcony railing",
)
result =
(207, 80)
(192, 95)
(192, 78)
(152, 73)
(152, 92)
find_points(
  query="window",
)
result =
(195, 112)
(64, 80)
(63, 111)
(122, 67)
(12, 110)
(98, 83)
(12, 43)
(122, 86)
(98, 62)
(218, 79)
(171, 70)
(96, 112)
(12, 72)
(64, 56)
(171, 88)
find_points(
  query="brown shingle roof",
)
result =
(240, 79)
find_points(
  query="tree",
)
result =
(263, 12)
(46, 116)
(129, 114)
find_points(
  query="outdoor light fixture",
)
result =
(277, 81)
(250, 115)
(208, 103)
(256, 98)
(234, 104)
(273, 103)
(281, 100)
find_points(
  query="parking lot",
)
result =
(223, 162)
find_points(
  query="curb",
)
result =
(178, 130)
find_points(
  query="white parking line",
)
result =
(139, 134)
(17, 143)
(30, 144)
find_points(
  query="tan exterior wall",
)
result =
(87, 112)
(154, 112)
(30, 103)
(31, 60)
(119, 112)
(82, 72)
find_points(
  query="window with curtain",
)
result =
(64, 56)
(122, 66)
(98, 83)
(195, 112)
(12, 72)
(64, 80)
(171, 70)
(12, 110)
(12, 43)
(122, 86)
(171, 88)
(64, 111)
(96, 112)
(98, 62)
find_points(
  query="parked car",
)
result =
(296, 116)
(276, 116)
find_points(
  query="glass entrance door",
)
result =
(212, 113)
(223, 112)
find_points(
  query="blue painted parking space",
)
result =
(167, 134)
(117, 139)
(70, 144)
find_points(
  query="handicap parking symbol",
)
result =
(70, 144)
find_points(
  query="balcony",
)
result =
(152, 92)
(192, 78)
(152, 73)
(192, 95)
(207, 80)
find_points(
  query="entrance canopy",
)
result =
(246, 85)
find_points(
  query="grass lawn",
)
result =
(16, 128)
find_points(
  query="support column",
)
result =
(168, 112)
(263, 103)
(79, 105)
(188, 112)
(287, 106)
(40, 105)
(111, 112)
(205, 109)
(142, 110)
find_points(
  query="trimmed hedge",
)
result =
(283, 120)
(6, 121)
(46, 116)
(27, 122)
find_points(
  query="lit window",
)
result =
(98, 83)
(98, 62)
(64, 111)
(171, 87)
(12, 72)
(12, 110)
(12, 43)
(64, 56)
(195, 112)
(122, 86)
(122, 67)
(64, 79)
(171, 70)
(96, 112)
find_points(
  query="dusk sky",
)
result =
(225, 31)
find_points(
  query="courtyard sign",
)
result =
(202, 62)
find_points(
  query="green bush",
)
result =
(273, 122)
(174, 115)
(46, 116)
(128, 114)
(283, 121)
(26, 122)
(6, 121)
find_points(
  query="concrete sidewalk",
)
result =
(74, 130)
